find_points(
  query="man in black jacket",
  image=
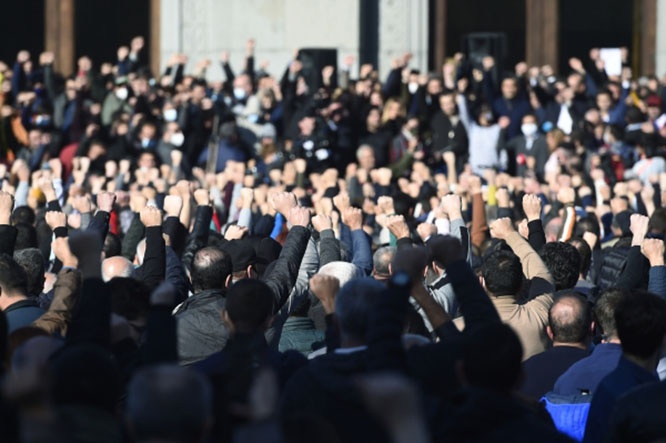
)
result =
(200, 328)
(448, 132)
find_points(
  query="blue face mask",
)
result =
(170, 115)
(239, 93)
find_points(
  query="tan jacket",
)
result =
(65, 295)
(529, 320)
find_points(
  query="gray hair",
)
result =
(117, 266)
(353, 305)
(169, 402)
(381, 260)
(341, 270)
(32, 262)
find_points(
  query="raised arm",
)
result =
(282, 276)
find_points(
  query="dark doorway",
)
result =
(21, 27)
(104, 25)
(507, 16)
(593, 24)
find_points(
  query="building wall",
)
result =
(204, 28)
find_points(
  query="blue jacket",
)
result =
(585, 375)
(625, 377)
(22, 313)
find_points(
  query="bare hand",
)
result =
(325, 288)
(653, 250)
(55, 219)
(235, 232)
(151, 216)
(501, 228)
(398, 227)
(173, 204)
(532, 207)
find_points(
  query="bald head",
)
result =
(569, 320)
(116, 267)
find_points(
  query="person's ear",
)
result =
(227, 321)
(269, 322)
(549, 332)
(227, 282)
(390, 268)
(482, 281)
(251, 273)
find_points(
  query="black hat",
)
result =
(242, 254)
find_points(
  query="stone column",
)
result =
(59, 35)
(542, 32)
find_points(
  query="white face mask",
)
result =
(146, 142)
(239, 93)
(177, 139)
(122, 93)
(170, 115)
(412, 87)
(529, 129)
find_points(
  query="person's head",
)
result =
(353, 305)
(95, 384)
(502, 273)
(243, 259)
(26, 236)
(112, 246)
(585, 254)
(373, 119)
(447, 102)
(585, 224)
(653, 103)
(32, 262)
(381, 261)
(640, 319)
(366, 157)
(147, 160)
(307, 125)
(392, 110)
(569, 320)
(552, 229)
(553, 139)
(657, 223)
(23, 214)
(509, 88)
(168, 403)
(485, 116)
(71, 88)
(491, 358)
(529, 126)
(434, 85)
(117, 266)
(148, 131)
(249, 306)
(563, 262)
(211, 269)
(604, 312)
(13, 279)
(604, 100)
(343, 271)
(242, 87)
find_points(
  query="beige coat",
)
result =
(530, 319)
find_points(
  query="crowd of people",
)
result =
(326, 256)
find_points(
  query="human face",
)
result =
(448, 104)
(509, 88)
